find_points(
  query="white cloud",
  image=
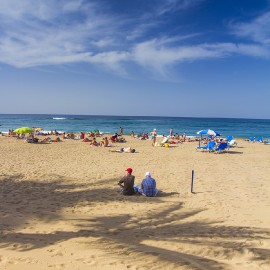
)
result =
(40, 32)
(37, 32)
(155, 55)
(257, 30)
(173, 5)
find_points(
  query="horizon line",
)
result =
(152, 116)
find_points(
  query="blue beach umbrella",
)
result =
(208, 132)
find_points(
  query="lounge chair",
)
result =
(209, 147)
(164, 142)
(252, 139)
(260, 139)
(221, 148)
(232, 143)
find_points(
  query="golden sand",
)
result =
(60, 209)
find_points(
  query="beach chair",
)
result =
(221, 148)
(252, 139)
(260, 139)
(229, 138)
(232, 143)
(209, 147)
(164, 142)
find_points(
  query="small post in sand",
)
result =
(192, 182)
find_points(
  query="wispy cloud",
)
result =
(155, 55)
(37, 32)
(174, 5)
(256, 30)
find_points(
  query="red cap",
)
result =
(129, 170)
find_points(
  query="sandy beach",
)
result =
(60, 208)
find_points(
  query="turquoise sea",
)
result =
(242, 128)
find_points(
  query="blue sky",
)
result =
(201, 58)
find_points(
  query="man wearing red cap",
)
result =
(127, 183)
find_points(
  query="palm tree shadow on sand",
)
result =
(164, 234)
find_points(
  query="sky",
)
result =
(183, 58)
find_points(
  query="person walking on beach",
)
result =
(121, 131)
(171, 132)
(148, 186)
(126, 183)
(154, 136)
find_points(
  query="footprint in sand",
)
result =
(55, 252)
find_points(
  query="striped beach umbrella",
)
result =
(208, 132)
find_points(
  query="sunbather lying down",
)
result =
(49, 140)
(124, 150)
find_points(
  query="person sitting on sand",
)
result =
(132, 134)
(126, 183)
(94, 142)
(70, 136)
(57, 140)
(121, 139)
(31, 139)
(86, 140)
(176, 136)
(124, 150)
(113, 138)
(143, 136)
(91, 134)
(148, 186)
(104, 142)
(22, 136)
(46, 140)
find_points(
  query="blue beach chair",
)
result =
(260, 139)
(221, 148)
(229, 138)
(209, 147)
(252, 139)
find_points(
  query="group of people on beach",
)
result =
(146, 188)
(91, 137)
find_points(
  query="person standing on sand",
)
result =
(121, 131)
(171, 132)
(154, 136)
(127, 182)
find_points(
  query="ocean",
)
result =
(240, 128)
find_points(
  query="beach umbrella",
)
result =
(208, 132)
(23, 130)
(38, 129)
